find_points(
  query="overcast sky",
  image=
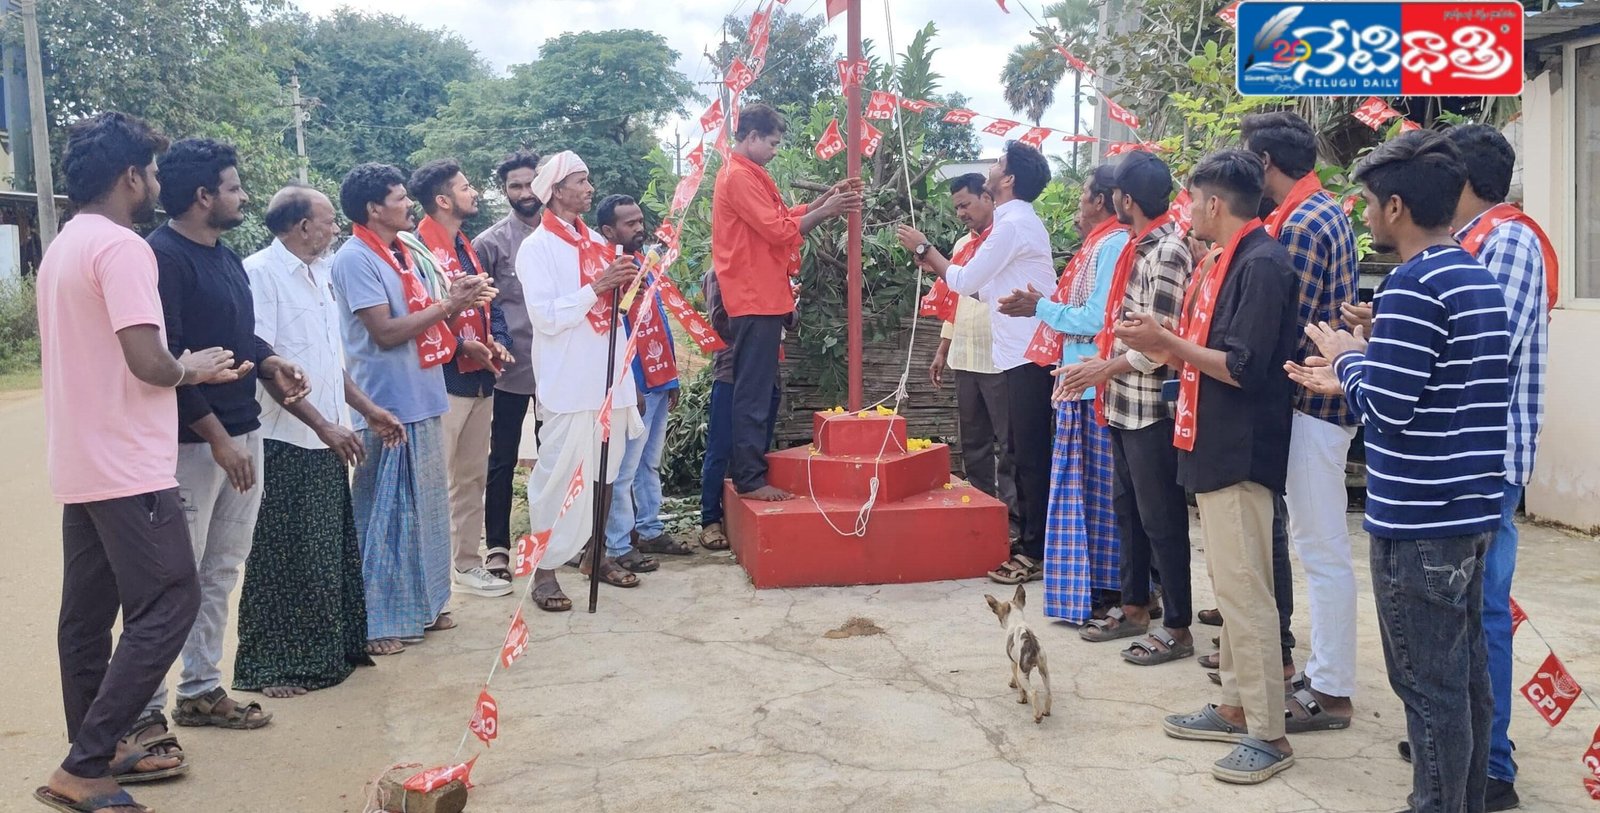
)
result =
(974, 35)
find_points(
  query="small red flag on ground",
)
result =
(485, 724)
(434, 778)
(516, 641)
(1552, 690)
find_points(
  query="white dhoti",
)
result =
(568, 440)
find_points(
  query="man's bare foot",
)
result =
(768, 494)
(385, 646)
(157, 761)
(77, 789)
(280, 692)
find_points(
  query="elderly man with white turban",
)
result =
(569, 277)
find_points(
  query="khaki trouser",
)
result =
(466, 452)
(1237, 524)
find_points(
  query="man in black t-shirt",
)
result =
(1232, 433)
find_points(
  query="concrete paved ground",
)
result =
(695, 692)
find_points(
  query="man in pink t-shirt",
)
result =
(112, 453)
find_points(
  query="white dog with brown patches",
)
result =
(1022, 647)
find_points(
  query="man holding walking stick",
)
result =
(570, 280)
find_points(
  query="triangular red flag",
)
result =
(1035, 138)
(1374, 112)
(516, 644)
(530, 549)
(1517, 615)
(1180, 210)
(1075, 63)
(837, 7)
(740, 76)
(1552, 690)
(831, 143)
(960, 115)
(870, 138)
(852, 74)
(1118, 113)
(919, 105)
(1230, 14)
(1003, 6)
(1075, 138)
(574, 488)
(880, 106)
(485, 723)
(434, 778)
(1591, 757)
(1407, 125)
(712, 118)
(1001, 126)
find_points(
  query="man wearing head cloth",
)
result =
(569, 276)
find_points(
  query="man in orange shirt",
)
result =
(755, 249)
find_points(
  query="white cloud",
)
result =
(973, 40)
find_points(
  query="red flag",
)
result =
(1003, 6)
(831, 143)
(880, 106)
(760, 25)
(485, 723)
(678, 305)
(1000, 127)
(712, 118)
(688, 185)
(668, 234)
(1593, 787)
(870, 138)
(758, 51)
(530, 549)
(1076, 63)
(1035, 137)
(1230, 14)
(852, 74)
(1407, 125)
(516, 641)
(1374, 112)
(1118, 113)
(434, 778)
(740, 76)
(1517, 615)
(919, 105)
(1119, 147)
(1552, 690)
(1591, 757)
(1079, 139)
(1180, 210)
(837, 7)
(1350, 209)
(940, 301)
(697, 157)
(960, 115)
(574, 488)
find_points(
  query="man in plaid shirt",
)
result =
(1322, 249)
(1513, 253)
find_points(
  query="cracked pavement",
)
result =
(695, 692)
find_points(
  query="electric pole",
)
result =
(677, 150)
(44, 184)
(299, 110)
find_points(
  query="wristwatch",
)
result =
(922, 249)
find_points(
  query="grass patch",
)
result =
(19, 380)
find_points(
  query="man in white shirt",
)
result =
(569, 276)
(1015, 256)
(303, 612)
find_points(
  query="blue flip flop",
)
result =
(90, 805)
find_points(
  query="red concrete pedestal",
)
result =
(924, 525)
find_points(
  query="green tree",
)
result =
(800, 65)
(1035, 69)
(375, 76)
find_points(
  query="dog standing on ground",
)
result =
(1022, 647)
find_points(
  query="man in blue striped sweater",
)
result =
(1431, 388)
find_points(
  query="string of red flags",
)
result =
(1374, 112)
(1553, 691)
(1230, 14)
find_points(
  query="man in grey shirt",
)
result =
(513, 390)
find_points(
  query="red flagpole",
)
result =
(852, 97)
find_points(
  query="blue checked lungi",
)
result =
(1081, 547)
(403, 524)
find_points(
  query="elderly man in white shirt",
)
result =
(569, 276)
(1014, 256)
(302, 614)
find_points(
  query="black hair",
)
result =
(430, 181)
(1423, 169)
(972, 182)
(102, 147)
(759, 119)
(1236, 176)
(1028, 170)
(1284, 136)
(190, 165)
(1100, 183)
(1488, 158)
(1147, 180)
(521, 159)
(286, 211)
(367, 183)
(607, 213)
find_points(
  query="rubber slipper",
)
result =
(1204, 725)
(123, 771)
(1157, 648)
(1251, 763)
(1211, 618)
(55, 800)
(1113, 627)
(1304, 715)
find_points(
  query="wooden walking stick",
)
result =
(602, 492)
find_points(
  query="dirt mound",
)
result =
(854, 627)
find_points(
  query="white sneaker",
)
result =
(480, 582)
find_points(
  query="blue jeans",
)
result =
(719, 446)
(1429, 594)
(619, 517)
(1498, 565)
(647, 483)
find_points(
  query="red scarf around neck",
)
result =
(649, 323)
(1473, 242)
(1200, 304)
(472, 324)
(594, 256)
(435, 345)
(1308, 185)
(1105, 340)
(1045, 348)
(941, 300)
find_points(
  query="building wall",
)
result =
(1566, 476)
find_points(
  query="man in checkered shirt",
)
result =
(1322, 248)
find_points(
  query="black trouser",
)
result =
(131, 554)
(1033, 427)
(1282, 576)
(985, 426)
(505, 435)
(755, 373)
(1152, 519)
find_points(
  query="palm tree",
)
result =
(1033, 70)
